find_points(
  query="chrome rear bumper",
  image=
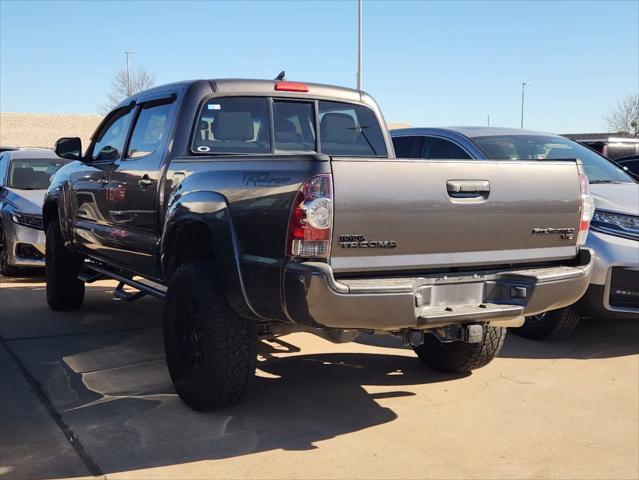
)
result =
(314, 297)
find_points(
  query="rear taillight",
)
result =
(311, 223)
(587, 208)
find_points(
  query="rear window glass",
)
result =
(233, 125)
(350, 130)
(242, 125)
(294, 125)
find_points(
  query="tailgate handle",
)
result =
(467, 188)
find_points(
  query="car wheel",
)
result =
(64, 290)
(211, 350)
(6, 269)
(458, 356)
(549, 325)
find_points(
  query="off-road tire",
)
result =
(211, 350)
(458, 356)
(550, 325)
(64, 290)
(6, 269)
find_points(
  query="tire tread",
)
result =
(65, 291)
(230, 349)
(555, 324)
(461, 357)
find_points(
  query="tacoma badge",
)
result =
(359, 241)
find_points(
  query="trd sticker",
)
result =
(264, 179)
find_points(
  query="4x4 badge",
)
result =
(565, 233)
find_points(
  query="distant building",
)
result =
(42, 130)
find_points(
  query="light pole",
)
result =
(523, 89)
(128, 75)
(359, 45)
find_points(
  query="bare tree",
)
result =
(124, 85)
(624, 117)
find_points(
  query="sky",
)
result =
(427, 63)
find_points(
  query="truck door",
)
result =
(91, 221)
(133, 187)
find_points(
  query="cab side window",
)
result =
(294, 125)
(150, 130)
(439, 148)
(110, 143)
(408, 147)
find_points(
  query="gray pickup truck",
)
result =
(259, 208)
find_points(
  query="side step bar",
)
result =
(93, 272)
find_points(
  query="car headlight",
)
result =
(616, 224)
(28, 220)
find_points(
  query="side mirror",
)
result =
(69, 147)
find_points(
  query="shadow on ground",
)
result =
(37, 275)
(114, 391)
(593, 338)
(112, 387)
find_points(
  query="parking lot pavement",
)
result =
(88, 393)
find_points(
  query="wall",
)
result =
(42, 130)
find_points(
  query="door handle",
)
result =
(103, 182)
(145, 182)
(467, 188)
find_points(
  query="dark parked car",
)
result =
(612, 146)
(630, 164)
(24, 178)
(266, 207)
(614, 235)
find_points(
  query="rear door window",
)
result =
(350, 130)
(408, 147)
(149, 130)
(294, 125)
(233, 125)
(439, 148)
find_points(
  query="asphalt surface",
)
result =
(88, 394)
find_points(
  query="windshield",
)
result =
(547, 147)
(33, 173)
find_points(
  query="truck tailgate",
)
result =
(400, 214)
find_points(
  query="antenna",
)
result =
(359, 46)
(281, 75)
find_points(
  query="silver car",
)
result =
(614, 229)
(24, 177)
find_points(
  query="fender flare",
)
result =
(54, 200)
(211, 210)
